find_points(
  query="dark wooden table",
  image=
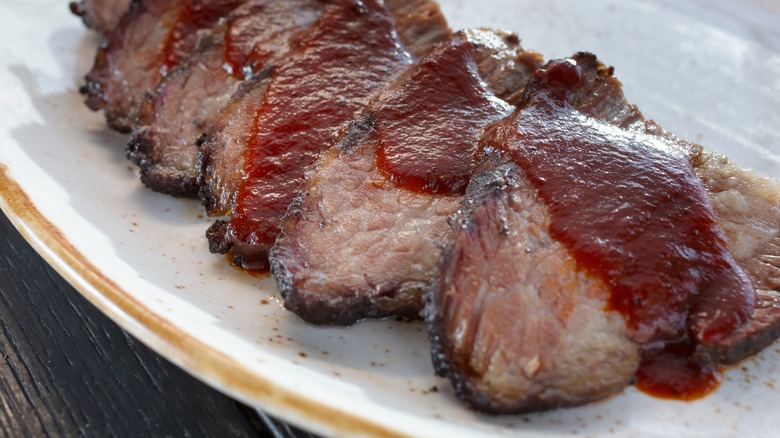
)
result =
(70, 371)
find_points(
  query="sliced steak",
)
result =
(346, 58)
(362, 237)
(184, 105)
(693, 309)
(515, 322)
(151, 39)
(101, 15)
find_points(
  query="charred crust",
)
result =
(178, 186)
(93, 91)
(749, 340)
(204, 191)
(217, 237)
(138, 148)
(77, 8)
(122, 123)
(357, 131)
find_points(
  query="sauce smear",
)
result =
(672, 373)
(260, 32)
(429, 129)
(193, 15)
(346, 58)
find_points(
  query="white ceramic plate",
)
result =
(706, 70)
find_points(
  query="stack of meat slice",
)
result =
(565, 247)
(254, 157)
(151, 39)
(592, 252)
(361, 239)
(173, 119)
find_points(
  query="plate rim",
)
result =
(173, 343)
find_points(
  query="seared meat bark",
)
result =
(101, 15)
(701, 308)
(151, 39)
(187, 100)
(347, 57)
(515, 323)
(359, 242)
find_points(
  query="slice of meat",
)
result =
(514, 322)
(362, 237)
(747, 208)
(101, 15)
(151, 39)
(347, 57)
(718, 318)
(187, 100)
(632, 210)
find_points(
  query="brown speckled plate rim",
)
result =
(178, 346)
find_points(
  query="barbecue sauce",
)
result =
(193, 16)
(671, 372)
(242, 54)
(631, 210)
(258, 34)
(346, 58)
(428, 130)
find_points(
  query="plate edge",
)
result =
(214, 368)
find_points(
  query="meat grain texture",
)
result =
(514, 322)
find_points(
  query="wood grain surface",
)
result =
(67, 370)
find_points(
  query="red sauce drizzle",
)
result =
(347, 57)
(193, 15)
(630, 209)
(672, 373)
(429, 129)
(241, 45)
(259, 33)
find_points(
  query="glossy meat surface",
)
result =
(183, 107)
(357, 244)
